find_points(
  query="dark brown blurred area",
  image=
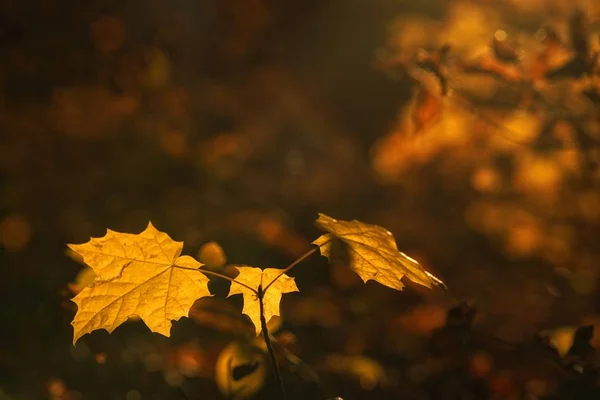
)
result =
(237, 121)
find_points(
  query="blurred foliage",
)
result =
(520, 120)
(212, 117)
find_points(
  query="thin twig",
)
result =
(220, 276)
(296, 262)
(265, 331)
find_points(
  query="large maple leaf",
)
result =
(139, 275)
(256, 278)
(370, 251)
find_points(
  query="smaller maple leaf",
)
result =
(139, 275)
(371, 252)
(255, 278)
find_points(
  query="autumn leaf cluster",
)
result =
(144, 275)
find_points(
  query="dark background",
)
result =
(237, 121)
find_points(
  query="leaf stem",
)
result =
(204, 271)
(296, 262)
(265, 332)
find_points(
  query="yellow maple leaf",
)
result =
(371, 252)
(139, 275)
(254, 278)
